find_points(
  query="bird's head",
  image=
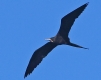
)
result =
(50, 39)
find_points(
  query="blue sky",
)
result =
(24, 25)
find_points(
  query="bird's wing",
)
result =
(68, 20)
(38, 55)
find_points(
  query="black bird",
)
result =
(60, 38)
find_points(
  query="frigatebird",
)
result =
(60, 38)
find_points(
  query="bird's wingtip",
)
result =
(87, 3)
(25, 76)
(86, 48)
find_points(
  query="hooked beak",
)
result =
(49, 40)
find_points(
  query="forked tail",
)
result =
(75, 45)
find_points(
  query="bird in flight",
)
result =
(61, 38)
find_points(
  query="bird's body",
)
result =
(60, 39)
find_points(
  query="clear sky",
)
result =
(24, 25)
